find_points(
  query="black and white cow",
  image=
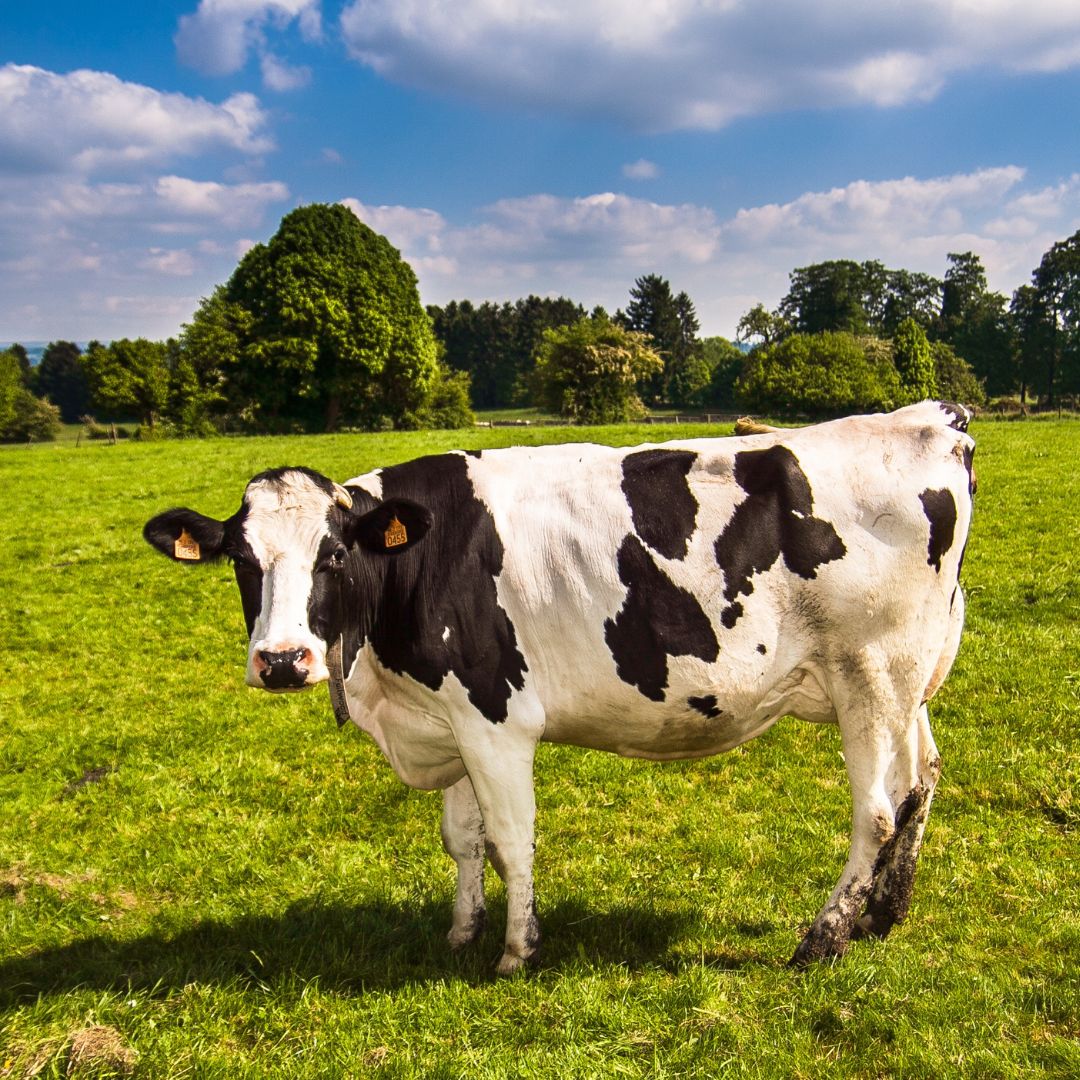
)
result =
(668, 601)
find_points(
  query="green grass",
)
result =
(239, 890)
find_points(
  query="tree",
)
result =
(28, 372)
(1057, 282)
(914, 361)
(447, 403)
(61, 378)
(827, 296)
(1033, 339)
(761, 323)
(909, 295)
(321, 327)
(590, 371)
(11, 383)
(129, 378)
(671, 325)
(858, 298)
(975, 322)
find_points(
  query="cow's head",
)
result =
(301, 547)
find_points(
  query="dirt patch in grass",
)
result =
(15, 880)
(100, 1051)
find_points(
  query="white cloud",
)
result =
(642, 169)
(91, 211)
(175, 262)
(219, 35)
(277, 75)
(593, 248)
(667, 64)
(91, 120)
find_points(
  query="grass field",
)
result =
(197, 879)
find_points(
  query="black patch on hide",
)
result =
(940, 510)
(707, 706)
(446, 582)
(776, 519)
(658, 619)
(662, 505)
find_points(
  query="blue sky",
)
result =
(517, 146)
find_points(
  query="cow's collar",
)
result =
(338, 699)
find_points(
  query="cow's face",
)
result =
(298, 546)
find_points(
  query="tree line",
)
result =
(846, 336)
(321, 329)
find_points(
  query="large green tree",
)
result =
(321, 327)
(857, 298)
(590, 372)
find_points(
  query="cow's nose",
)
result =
(287, 670)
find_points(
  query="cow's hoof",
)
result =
(461, 936)
(816, 947)
(510, 964)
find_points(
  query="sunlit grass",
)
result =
(239, 890)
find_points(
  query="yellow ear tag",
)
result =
(395, 534)
(186, 547)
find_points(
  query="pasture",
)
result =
(213, 882)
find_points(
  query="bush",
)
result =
(447, 403)
(33, 420)
(828, 374)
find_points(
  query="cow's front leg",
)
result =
(463, 839)
(502, 778)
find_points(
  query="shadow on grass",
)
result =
(349, 949)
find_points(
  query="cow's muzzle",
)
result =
(286, 670)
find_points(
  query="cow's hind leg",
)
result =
(463, 839)
(880, 737)
(894, 876)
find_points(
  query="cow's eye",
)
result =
(337, 558)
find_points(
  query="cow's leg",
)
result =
(502, 778)
(463, 839)
(878, 733)
(895, 872)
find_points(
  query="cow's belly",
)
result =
(633, 726)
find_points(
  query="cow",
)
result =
(662, 601)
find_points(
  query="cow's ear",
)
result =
(186, 536)
(392, 527)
